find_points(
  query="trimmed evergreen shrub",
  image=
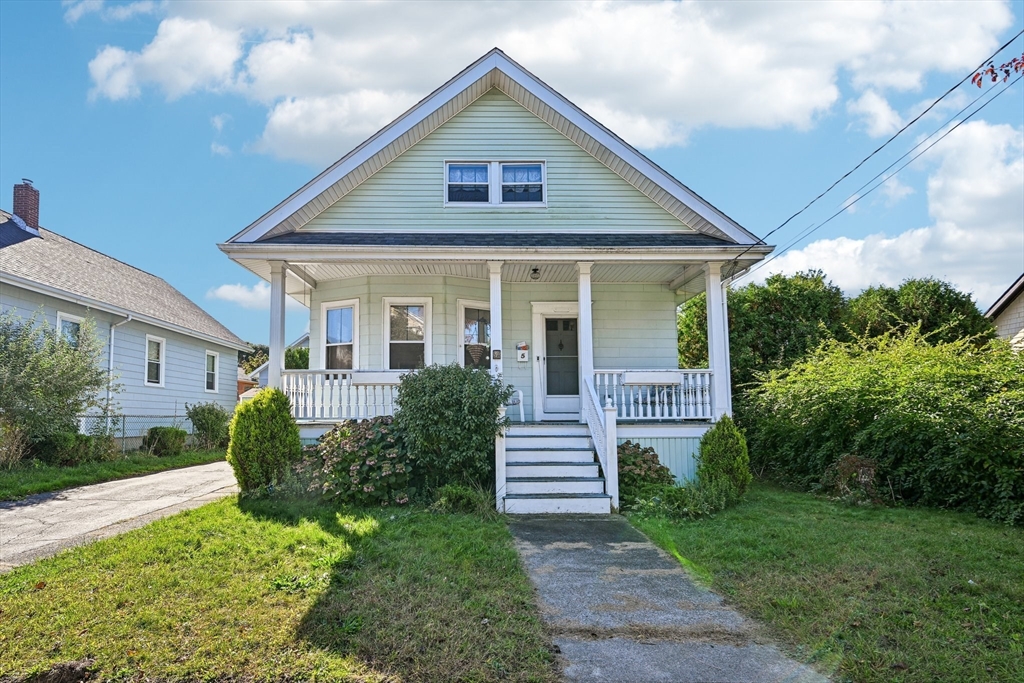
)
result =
(209, 424)
(448, 417)
(639, 467)
(360, 463)
(162, 441)
(723, 456)
(263, 441)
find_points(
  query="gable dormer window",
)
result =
(495, 183)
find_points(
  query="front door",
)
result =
(561, 368)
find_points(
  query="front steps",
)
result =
(552, 468)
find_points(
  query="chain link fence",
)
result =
(130, 430)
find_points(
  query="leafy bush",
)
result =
(692, 501)
(723, 456)
(360, 463)
(473, 500)
(13, 444)
(943, 422)
(209, 424)
(639, 467)
(448, 416)
(66, 449)
(162, 441)
(46, 380)
(263, 441)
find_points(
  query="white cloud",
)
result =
(879, 118)
(219, 121)
(895, 191)
(78, 9)
(653, 71)
(976, 200)
(219, 149)
(256, 297)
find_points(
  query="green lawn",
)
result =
(36, 477)
(868, 593)
(272, 590)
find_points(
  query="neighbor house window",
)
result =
(155, 349)
(212, 361)
(341, 326)
(69, 327)
(407, 333)
(522, 183)
(475, 343)
(468, 183)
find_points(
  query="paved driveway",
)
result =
(620, 609)
(43, 525)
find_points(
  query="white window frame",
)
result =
(343, 303)
(460, 324)
(216, 372)
(428, 337)
(163, 362)
(61, 317)
(494, 183)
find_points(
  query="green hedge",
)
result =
(164, 441)
(263, 441)
(943, 423)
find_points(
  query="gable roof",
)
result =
(54, 265)
(495, 70)
(1007, 298)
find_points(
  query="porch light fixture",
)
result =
(535, 273)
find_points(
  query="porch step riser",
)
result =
(542, 430)
(554, 486)
(554, 441)
(549, 456)
(547, 470)
(541, 506)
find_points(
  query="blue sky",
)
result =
(154, 130)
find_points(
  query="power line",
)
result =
(847, 204)
(885, 144)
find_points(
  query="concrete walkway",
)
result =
(42, 525)
(620, 609)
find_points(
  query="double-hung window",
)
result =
(475, 343)
(340, 320)
(496, 183)
(212, 363)
(406, 333)
(69, 327)
(155, 350)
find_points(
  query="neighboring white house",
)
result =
(497, 225)
(161, 348)
(1007, 313)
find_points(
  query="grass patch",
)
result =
(36, 477)
(869, 593)
(283, 590)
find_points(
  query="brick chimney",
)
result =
(26, 203)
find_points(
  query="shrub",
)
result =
(639, 467)
(723, 456)
(448, 416)
(163, 441)
(360, 463)
(692, 501)
(473, 500)
(209, 424)
(66, 449)
(263, 441)
(944, 422)
(13, 444)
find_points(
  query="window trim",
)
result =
(163, 361)
(341, 303)
(428, 339)
(216, 372)
(494, 184)
(460, 331)
(62, 316)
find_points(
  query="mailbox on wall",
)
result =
(522, 352)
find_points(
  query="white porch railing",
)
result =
(340, 394)
(601, 422)
(656, 394)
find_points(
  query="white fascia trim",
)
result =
(492, 60)
(116, 310)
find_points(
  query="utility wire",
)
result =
(884, 144)
(847, 204)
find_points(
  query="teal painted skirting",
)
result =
(676, 453)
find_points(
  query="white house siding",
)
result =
(185, 371)
(1010, 323)
(408, 194)
(634, 324)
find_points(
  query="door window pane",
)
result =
(562, 350)
(477, 338)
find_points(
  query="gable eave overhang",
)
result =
(489, 71)
(1007, 297)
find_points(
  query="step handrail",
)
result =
(601, 423)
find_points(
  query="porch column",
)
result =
(718, 341)
(586, 326)
(496, 361)
(276, 364)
